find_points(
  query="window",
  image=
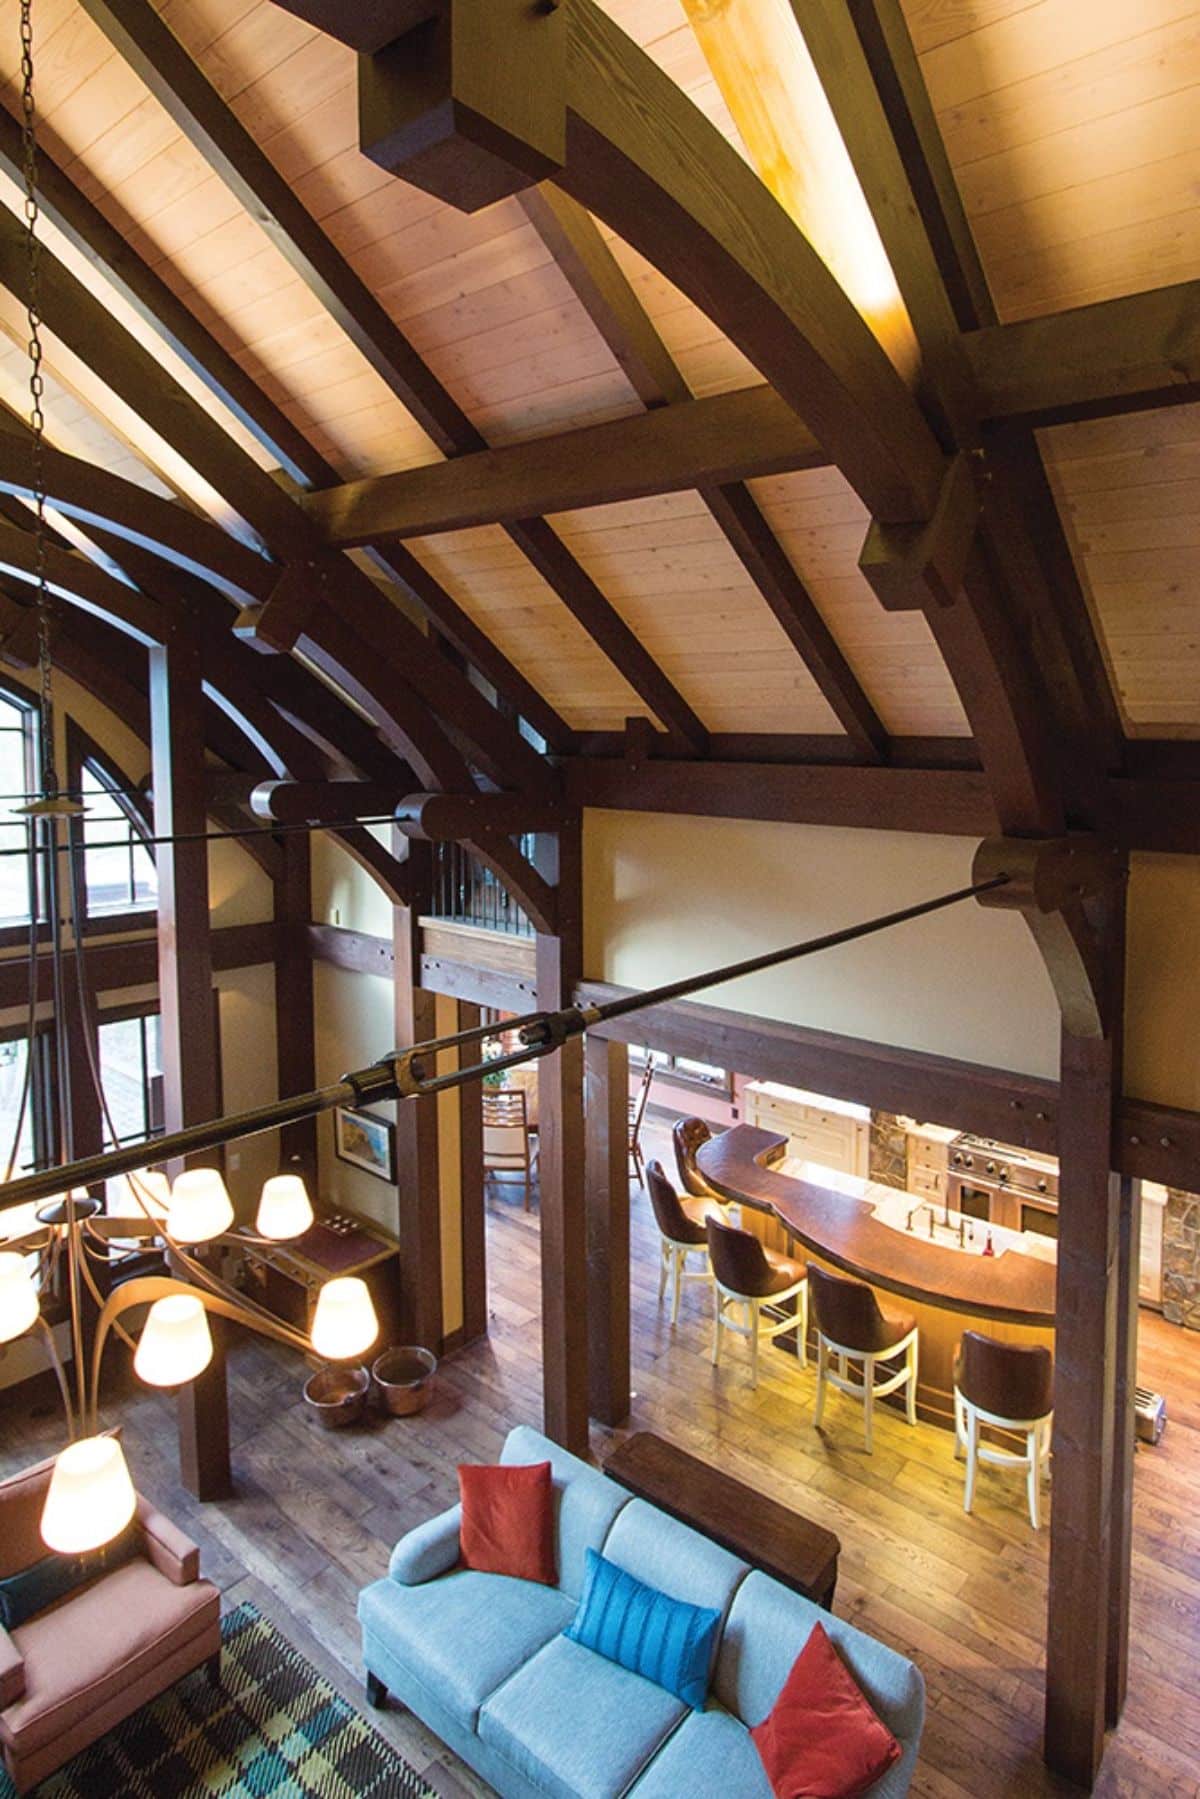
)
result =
(131, 1073)
(16, 783)
(681, 1068)
(119, 872)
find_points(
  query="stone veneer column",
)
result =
(1181, 1259)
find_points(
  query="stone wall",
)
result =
(1181, 1259)
(887, 1155)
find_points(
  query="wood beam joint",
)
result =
(912, 567)
(470, 104)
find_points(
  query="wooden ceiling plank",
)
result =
(152, 50)
(1125, 355)
(82, 322)
(614, 308)
(90, 232)
(604, 624)
(698, 443)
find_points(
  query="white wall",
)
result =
(667, 896)
(354, 1027)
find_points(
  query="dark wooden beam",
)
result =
(321, 802)
(186, 1006)
(641, 156)
(417, 1148)
(887, 44)
(295, 1017)
(606, 1075)
(91, 233)
(561, 1166)
(457, 625)
(614, 308)
(368, 24)
(150, 48)
(133, 962)
(472, 1197)
(1122, 355)
(598, 279)
(694, 444)
(955, 802)
(1085, 1365)
(608, 630)
(769, 567)
(450, 817)
(496, 988)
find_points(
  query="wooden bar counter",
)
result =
(831, 1218)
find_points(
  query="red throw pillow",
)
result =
(508, 1521)
(821, 1740)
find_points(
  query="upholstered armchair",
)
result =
(73, 1670)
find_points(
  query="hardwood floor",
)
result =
(316, 1515)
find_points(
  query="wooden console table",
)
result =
(286, 1277)
(768, 1535)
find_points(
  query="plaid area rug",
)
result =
(275, 1729)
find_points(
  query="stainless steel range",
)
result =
(1007, 1186)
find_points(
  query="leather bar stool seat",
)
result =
(853, 1326)
(1009, 1386)
(746, 1277)
(688, 1135)
(681, 1227)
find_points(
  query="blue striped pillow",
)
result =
(646, 1631)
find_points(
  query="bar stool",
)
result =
(687, 1135)
(1009, 1386)
(748, 1275)
(852, 1326)
(681, 1229)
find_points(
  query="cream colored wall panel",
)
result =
(668, 896)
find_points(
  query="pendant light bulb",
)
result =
(90, 1499)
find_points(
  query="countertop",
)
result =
(833, 1215)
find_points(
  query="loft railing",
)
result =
(465, 892)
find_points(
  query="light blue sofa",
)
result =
(483, 1661)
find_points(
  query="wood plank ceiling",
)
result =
(1072, 133)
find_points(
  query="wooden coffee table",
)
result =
(768, 1535)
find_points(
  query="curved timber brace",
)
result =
(1065, 887)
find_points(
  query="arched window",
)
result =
(119, 872)
(17, 782)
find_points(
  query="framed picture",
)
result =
(366, 1141)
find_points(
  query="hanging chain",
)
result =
(37, 417)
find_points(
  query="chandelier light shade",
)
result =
(91, 1497)
(18, 1296)
(175, 1344)
(285, 1210)
(201, 1208)
(344, 1322)
(129, 1195)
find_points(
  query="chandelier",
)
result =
(72, 1236)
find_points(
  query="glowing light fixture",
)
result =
(176, 1344)
(201, 1208)
(18, 1296)
(147, 1185)
(762, 66)
(91, 1497)
(344, 1323)
(285, 1210)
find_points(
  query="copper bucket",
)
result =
(404, 1378)
(337, 1396)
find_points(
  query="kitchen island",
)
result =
(898, 1242)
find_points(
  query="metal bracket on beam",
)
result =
(471, 104)
(459, 817)
(911, 567)
(1046, 874)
